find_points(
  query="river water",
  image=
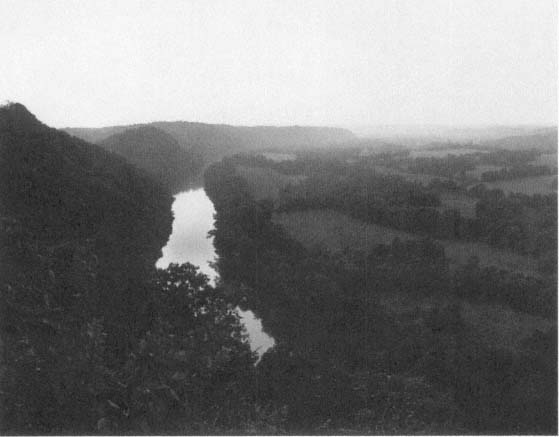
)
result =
(189, 242)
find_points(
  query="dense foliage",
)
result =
(185, 369)
(520, 171)
(510, 163)
(331, 330)
(381, 199)
(92, 338)
(525, 224)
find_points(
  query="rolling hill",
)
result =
(63, 187)
(544, 140)
(213, 141)
(156, 152)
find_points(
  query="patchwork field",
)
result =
(529, 186)
(337, 232)
(266, 183)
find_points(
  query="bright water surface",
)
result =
(189, 242)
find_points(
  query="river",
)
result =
(189, 242)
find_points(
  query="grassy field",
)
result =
(266, 183)
(337, 231)
(530, 185)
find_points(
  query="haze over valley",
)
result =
(270, 218)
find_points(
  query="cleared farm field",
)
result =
(337, 232)
(529, 186)
(265, 183)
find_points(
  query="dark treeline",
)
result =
(381, 199)
(514, 164)
(306, 163)
(175, 362)
(391, 201)
(392, 267)
(510, 158)
(332, 333)
(442, 167)
(516, 172)
(525, 224)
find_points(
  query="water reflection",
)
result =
(193, 215)
(193, 218)
(259, 341)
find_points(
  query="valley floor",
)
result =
(337, 231)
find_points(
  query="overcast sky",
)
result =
(94, 63)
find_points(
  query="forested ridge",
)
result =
(94, 339)
(158, 153)
(210, 142)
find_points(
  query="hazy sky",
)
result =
(93, 63)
